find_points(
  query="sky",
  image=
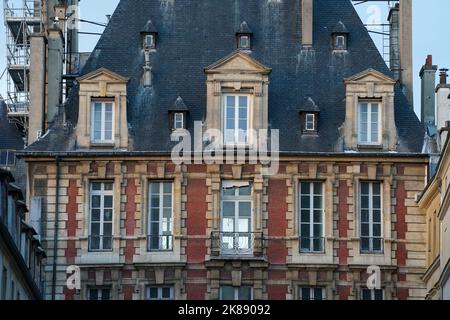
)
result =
(430, 32)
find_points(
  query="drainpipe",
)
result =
(55, 237)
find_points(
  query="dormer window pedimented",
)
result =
(370, 117)
(149, 36)
(243, 37)
(102, 118)
(339, 37)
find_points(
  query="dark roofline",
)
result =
(118, 153)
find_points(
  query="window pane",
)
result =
(228, 209)
(378, 294)
(108, 202)
(153, 293)
(245, 209)
(166, 293)
(108, 215)
(305, 230)
(305, 216)
(107, 229)
(106, 294)
(364, 229)
(318, 294)
(305, 293)
(108, 186)
(365, 244)
(317, 202)
(245, 191)
(95, 229)
(366, 294)
(245, 293)
(227, 293)
(317, 230)
(93, 294)
(377, 244)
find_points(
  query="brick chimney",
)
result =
(428, 76)
(307, 22)
(405, 42)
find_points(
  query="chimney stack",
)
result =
(443, 76)
(405, 41)
(307, 22)
(428, 76)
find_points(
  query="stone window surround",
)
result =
(237, 73)
(313, 258)
(85, 256)
(328, 289)
(380, 259)
(144, 256)
(100, 85)
(370, 85)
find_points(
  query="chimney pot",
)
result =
(429, 61)
(443, 76)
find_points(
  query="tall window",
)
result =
(236, 293)
(371, 217)
(99, 293)
(101, 216)
(372, 294)
(236, 119)
(160, 216)
(236, 224)
(160, 293)
(7, 158)
(311, 293)
(311, 217)
(102, 121)
(369, 123)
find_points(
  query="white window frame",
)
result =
(244, 36)
(242, 236)
(337, 46)
(311, 223)
(102, 121)
(151, 44)
(99, 293)
(372, 294)
(236, 141)
(10, 158)
(310, 124)
(371, 220)
(178, 123)
(168, 246)
(236, 292)
(102, 193)
(312, 293)
(370, 104)
(160, 290)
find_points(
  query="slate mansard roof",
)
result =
(193, 34)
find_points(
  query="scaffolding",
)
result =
(22, 19)
(389, 36)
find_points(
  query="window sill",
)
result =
(370, 146)
(102, 144)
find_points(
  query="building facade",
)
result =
(21, 256)
(139, 224)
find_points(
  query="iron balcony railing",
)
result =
(99, 243)
(312, 244)
(160, 243)
(237, 244)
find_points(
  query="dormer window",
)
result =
(149, 34)
(244, 37)
(340, 36)
(178, 114)
(309, 114)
